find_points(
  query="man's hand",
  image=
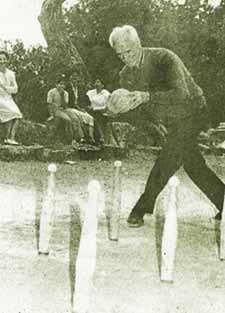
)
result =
(161, 131)
(89, 108)
(139, 97)
(122, 100)
(52, 108)
(109, 113)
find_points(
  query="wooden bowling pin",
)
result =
(47, 212)
(169, 238)
(114, 218)
(86, 257)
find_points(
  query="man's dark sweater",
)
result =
(174, 95)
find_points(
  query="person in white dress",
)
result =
(9, 111)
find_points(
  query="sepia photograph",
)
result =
(112, 156)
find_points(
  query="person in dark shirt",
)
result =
(72, 88)
(166, 94)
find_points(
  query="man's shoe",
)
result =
(13, 142)
(218, 216)
(135, 221)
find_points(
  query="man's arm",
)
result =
(174, 72)
(175, 75)
(12, 88)
(50, 103)
(139, 97)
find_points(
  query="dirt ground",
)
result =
(127, 272)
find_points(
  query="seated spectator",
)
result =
(57, 100)
(98, 98)
(86, 122)
(73, 90)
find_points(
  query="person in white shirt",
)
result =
(98, 100)
(98, 96)
(57, 98)
(9, 111)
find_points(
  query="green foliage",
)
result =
(195, 31)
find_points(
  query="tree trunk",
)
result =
(59, 43)
(61, 47)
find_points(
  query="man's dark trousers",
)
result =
(181, 149)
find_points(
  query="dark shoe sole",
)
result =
(138, 225)
(135, 222)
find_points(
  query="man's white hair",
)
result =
(123, 34)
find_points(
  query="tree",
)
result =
(59, 44)
(79, 35)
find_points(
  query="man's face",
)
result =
(60, 86)
(128, 52)
(98, 84)
(74, 80)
